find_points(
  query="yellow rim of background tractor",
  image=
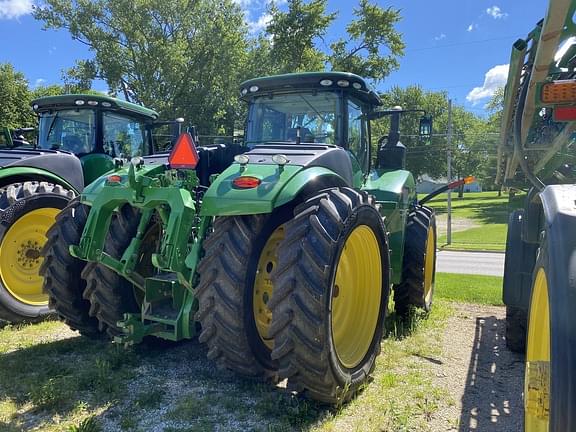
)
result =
(20, 257)
(537, 373)
(263, 287)
(356, 296)
(429, 266)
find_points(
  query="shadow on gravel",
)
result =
(492, 399)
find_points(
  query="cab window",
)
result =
(357, 134)
(70, 130)
(123, 136)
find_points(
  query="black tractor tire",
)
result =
(62, 272)
(516, 324)
(17, 201)
(302, 302)
(411, 291)
(225, 294)
(518, 266)
(110, 295)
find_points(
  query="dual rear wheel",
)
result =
(317, 292)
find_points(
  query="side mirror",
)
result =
(426, 127)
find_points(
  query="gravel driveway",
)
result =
(484, 378)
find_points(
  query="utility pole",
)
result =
(449, 174)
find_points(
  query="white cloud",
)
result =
(494, 79)
(260, 24)
(10, 9)
(39, 82)
(440, 37)
(472, 27)
(496, 13)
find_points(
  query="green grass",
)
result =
(469, 288)
(485, 210)
(489, 237)
(53, 380)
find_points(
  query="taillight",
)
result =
(564, 114)
(246, 182)
(559, 91)
(114, 178)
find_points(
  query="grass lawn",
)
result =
(469, 288)
(51, 379)
(485, 212)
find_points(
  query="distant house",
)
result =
(428, 185)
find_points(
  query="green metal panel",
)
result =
(34, 172)
(395, 191)
(94, 165)
(5, 138)
(278, 187)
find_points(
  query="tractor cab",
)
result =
(315, 108)
(94, 128)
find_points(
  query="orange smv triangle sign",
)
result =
(184, 154)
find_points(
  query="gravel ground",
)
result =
(484, 378)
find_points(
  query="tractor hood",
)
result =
(61, 167)
(277, 184)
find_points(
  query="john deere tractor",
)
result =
(283, 251)
(536, 153)
(78, 137)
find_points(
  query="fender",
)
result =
(19, 174)
(278, 186)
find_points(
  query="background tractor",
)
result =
(19, 137)
(537, 147)
(77, 138)
(284, 251)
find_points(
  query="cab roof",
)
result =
(357, 86)
(97, 101)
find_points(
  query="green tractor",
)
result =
(283, 251)
(78, 138)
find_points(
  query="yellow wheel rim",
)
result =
(356, 296)
(263, 287)
(20, 257)
(429, 266)
(537, 373)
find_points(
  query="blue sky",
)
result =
(461, 46)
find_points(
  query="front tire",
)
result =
(330, 297)
(27, 211)
(419, 263)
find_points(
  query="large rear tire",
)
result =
(234, 290)
(62, 272)
(330, 297)
(27, 211)
(419, 264)
(110, 295)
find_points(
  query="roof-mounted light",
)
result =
(343, 83)
(35, 107)
(79, 102)
(326, 82)
(244, 91)
(106, 104)
(92, 102)
(357, 85)
(254, 89)
(184, 154)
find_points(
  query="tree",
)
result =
(294, 32)
(368, 35)
(15, 110)
(181, 57)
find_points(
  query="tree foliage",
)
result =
(186, 58)
(15, 108)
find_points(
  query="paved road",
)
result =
(480, 263)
